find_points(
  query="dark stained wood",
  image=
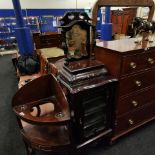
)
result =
(111, 59)
(135, 118)
(131, 102)
(133, 64)
(120, 3)
(46, 136)
(91, 121)
(86, 81)
(137, 81)
(119, 54)
(27, 98)
(78, 36)
(51, 39)
(100, 136)
(138, 62)
(83, 65)
(49, 128)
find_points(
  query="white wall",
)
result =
(48, 4)
(154, 13)
(5, 4)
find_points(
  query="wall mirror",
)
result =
(131, 9)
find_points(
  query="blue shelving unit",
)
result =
(8, 25)
(38, 20)
(33, 23)
(48, 24)
(7, 35)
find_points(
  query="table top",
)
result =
(52, 52)
(124, 45)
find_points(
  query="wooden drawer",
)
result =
(135, 118)
(138, 62)
(136, 100)
(47, 40)
(136, 82)
(49, 44)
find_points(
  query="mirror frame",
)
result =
(122, 3)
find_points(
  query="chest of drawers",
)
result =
(134, 66)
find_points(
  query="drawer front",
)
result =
(135, 101)
(135, 118)
(50, 41)
(136, 82)
(138, 62)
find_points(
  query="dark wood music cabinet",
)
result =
(134, 66)
(90, 92)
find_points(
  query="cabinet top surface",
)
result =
(124, 45)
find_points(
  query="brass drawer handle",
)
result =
(134, 103)
(133, 65)
(138, 83)
(150, 61)
(131, 122)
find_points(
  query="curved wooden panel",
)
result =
(42, 90)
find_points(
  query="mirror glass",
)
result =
(76, 39)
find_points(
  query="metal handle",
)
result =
(131, 122)
(133, 65)
(150, 61)
(134, 103)
(138, 83)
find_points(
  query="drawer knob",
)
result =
(133, 65)
(138, 83)
(135, 103)
(131, 122)
(151, 61)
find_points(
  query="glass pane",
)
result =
(76, 42)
